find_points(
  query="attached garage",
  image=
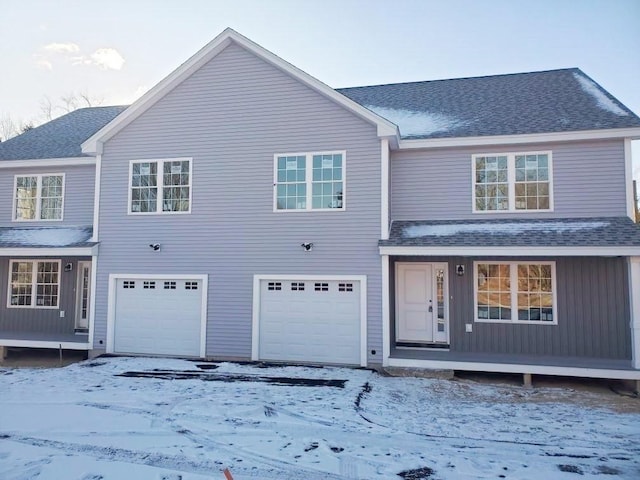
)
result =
(159, 315)
(310, 319)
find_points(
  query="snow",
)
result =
(83, 422)
(413, 123)
(44, 237)
(513, 228)
(598, 95)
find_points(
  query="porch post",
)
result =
(386, 347)
(634, 300)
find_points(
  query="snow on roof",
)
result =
(501, 228)
(413, 123)
(598, 95)
(44, 237)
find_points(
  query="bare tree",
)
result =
(46, 107)
(8, 128)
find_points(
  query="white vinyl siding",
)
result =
(512, 182)
(160, 186)
(38, 197)
(518, 292)
(34, 284)
(309, 181)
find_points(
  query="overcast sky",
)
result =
(114, 50)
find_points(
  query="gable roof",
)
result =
(523, 103)
(59, 138)
(206, 54)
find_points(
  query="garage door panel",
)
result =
(310, 320)
(157, 316)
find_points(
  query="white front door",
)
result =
(421, 303)
(83, 295)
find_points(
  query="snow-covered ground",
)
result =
(83, 422)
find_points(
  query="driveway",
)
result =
(161, 419)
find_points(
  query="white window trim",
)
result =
(511, 181)
(38, 198)
(34, 284)
(514, 292)
(160, 185)
(309, 181)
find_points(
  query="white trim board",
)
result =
(49, 251)
(44, 344)
(48, 162)
(513, 251)
(94, 144)
(111, 307)
(255, 318)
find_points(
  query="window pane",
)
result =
(491, 183)
(26, 198)
(493, 291)
(535, 296)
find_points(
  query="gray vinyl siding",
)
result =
(588, 181)
(231, 117)
(40, 320)
(78, 194)
(593, 312)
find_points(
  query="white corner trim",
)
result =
(111, 303)
(513, 251)
(48, 162)
(96, 199)
(517, 368)
(49, 252)
(628, 172)
(92, 298)
(632, 133)
(634, 298)
(386, 309)
(11, 342)
(207, 53)
(255, 317)
(385, 205)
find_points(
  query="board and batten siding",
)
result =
(231, 117)
(592, 310)
(588, 181)
(41, 320)
(78, 194)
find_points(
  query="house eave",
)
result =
(528, 251)
(412, 144)
(48, 162)
(48, 251)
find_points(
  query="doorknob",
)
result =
(430, 306)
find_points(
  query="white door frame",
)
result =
(257, 279)
(435, 266)
(81, 323)
(111, 305)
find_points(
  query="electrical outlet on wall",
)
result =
(468, 327)
(61, 313)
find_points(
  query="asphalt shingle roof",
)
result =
(45, 237)
(561, 232)
(538, 102)
(61, 137)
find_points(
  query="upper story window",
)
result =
(309, 181)
(38, 197)
(160, 186)
(34, 283)
(510, 182)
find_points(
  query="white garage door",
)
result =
(310, 321)
(158, 316)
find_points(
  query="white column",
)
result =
(634, 295)
(386, 347)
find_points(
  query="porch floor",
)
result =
(450, 356)
(12, 338)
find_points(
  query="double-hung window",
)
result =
(38, 197)
(34, 283)
(516, 292)
(510, 182)
(309, 181)
(160, 186)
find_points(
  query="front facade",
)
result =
(244, 210)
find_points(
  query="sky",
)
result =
(113, 51)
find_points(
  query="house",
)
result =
(242, 209)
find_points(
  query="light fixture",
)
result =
(307, 246)
(68, 267)
(460, 270)
(154, 246)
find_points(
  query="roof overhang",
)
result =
(49, 251)
(412, 144)
(93, 145)
(48, 162)
(529, 251)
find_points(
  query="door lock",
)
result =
(430, 306)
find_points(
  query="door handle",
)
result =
(430, 306)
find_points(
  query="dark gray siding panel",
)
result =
(588, 181)
(231, 117)
(78, 195)
(593, 312)
(36, 320)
